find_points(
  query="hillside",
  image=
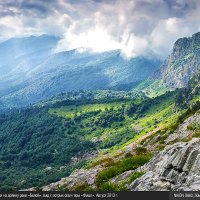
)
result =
(104, 125)
(98, 140)
(34, 72)
(96, 124)
(176, 70)
(182, 63)
(141, 164)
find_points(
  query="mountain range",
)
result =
(99, 122)
(32, 71)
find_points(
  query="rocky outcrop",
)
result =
(182, 63)
(77, 178)
(183, 131)
(175, 168)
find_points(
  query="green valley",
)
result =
(38, 143)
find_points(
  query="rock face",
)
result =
(183, 62)
(183, 132)
(78, 177)
(175, 168)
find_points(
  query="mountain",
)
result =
(18, 53)
(109, 135)
(19, 56)
(176, 70)
(182, 63)
(162, 156)
(34, 72)
(99, 140)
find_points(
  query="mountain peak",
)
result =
(183, 62)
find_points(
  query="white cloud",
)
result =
(134, 26)
(168, 31)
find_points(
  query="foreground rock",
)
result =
(183, 132)
(175, 168)
(78, 177)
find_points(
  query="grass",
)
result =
(122, 166)
(72, 111)
(105, 187)
(104, 161)
(152, 88)
(134, 176)
(160, 115)
(194, 127)
(118, 134)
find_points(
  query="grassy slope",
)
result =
(72, 111)
(109, 125)
(151, 88)
(120, 133)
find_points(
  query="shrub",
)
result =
(82, 187)
(197, 134)
(128, 155)
(105, 161)
(122, 166)
(62, 188)
(140, 150)
(134, 176)
(194, 126)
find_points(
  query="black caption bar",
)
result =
(101, 195)
(85, 195)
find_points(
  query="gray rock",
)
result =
(182, 63)
(78, 177)
(177, 167)
(122, 177)
(182, 132)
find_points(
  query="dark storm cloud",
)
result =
(20, 7)
(180, 8)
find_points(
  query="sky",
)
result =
(137, 27)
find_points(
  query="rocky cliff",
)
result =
(175, 168)
(182, 63)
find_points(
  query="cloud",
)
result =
(137, 27)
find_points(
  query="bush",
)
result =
(82, 187)
(128, 155)
(135, 175)
(140, 150)
(194, 127)
(122, 166)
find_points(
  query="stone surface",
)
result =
(182, 132)
(182, 63)
(78, 177)
(177, 167)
